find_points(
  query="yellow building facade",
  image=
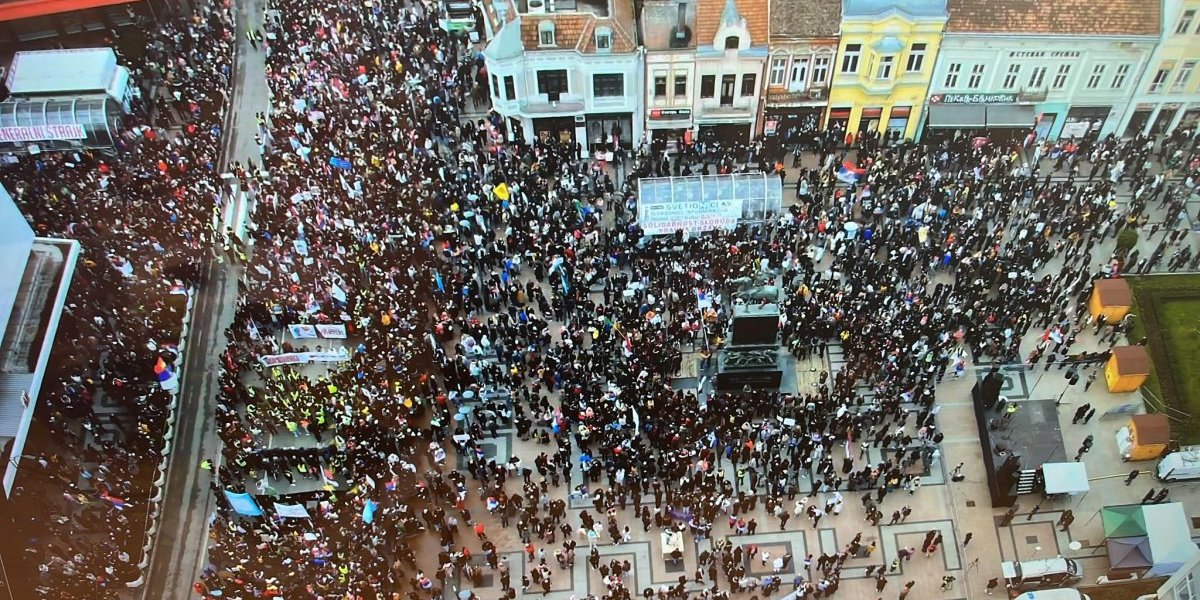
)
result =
(884, 64)
(1168, 95)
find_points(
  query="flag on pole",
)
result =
(117, 503)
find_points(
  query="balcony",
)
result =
(540, 103)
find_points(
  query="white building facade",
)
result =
(999, 82)
(731, 56)
(1167, 95)
(569, 75)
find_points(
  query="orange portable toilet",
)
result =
(1127, 368)
(1111, 298)
(1145, 437)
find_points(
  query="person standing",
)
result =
(991, 585)
(1132, 475)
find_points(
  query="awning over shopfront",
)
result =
(1011, 115)
(58, 123)
(956, 116)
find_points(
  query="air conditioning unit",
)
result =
(536, 7)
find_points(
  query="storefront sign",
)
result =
(663, 114)
(29, 133)
(992, 98)
(1044, 54)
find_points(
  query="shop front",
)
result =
(726, 133)
(1084, 122)
(670, 129)
(607, 131)
(1000, 117)
(791, 117)
(839, 119)
(560, 129)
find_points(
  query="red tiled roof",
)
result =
(574, 31)
(1079, 17)
(708, 19)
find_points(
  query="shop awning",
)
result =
(956, 116)
(24, 9)
(1011, 115)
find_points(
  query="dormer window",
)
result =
(732, 42)
(603, 39)
(546, 33)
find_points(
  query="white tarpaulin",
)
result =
(292, 511)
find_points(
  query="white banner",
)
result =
(303, 331)
(694, 217)
(32, 133)
(295, 358)
(332, 331)
(292, 511)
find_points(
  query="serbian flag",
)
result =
(117, 503)
(391, 485)
(161, 371)
(850, 173)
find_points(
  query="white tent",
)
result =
(1065, 478)
(1171, 545)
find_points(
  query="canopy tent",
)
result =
(1065, 478)
(1170, 537)
(1129, 553)
(1123, 521)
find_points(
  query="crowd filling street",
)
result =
(490, 290)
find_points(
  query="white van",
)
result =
(1180, 465)
(1041, 574)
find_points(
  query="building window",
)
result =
(799, 74)
(496, 87)
(1037, 78)
(820, 70)
(1010, 78)
(885, 67)
(1093, 81)
(1060, 78)
(1184, 74)
(603, 38)
(552, 82)
(680, 84)
(952, 75)
(976, 77)
(608, 85)
(546, 33)
(1185, 21)
(660, 86)
(732, 42)
(748, 81)
(510, 87)
(850, 58)
(708, 86)
(916, 58)
(778, 68)
(1120, 76)
(1160, 79)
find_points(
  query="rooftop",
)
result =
(805, 18)
(912, 8)
(1075, 17)
(709, 14)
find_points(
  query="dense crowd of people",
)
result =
(464, 286)
(142, 215)
(486, 286)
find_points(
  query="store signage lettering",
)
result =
(998, 98)
(1044, 54)
(670, 113)
(29, 133)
